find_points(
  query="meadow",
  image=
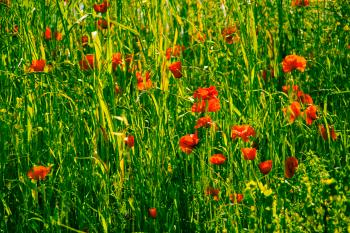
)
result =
(175, 116)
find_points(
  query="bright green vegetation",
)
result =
(74, 121)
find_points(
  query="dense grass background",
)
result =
(74, 120)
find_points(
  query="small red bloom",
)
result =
(300, 2)
(102, 24)
(175, 51)
(152, 212)
(293, 110)
(249, 153)
(38, 65)
(205, 93)
(310, 114)
(84, 40)
(229, 34)
(58, 36)
(129, 141)
(175, 68)
(101, 8)
(291, 165)
(292, 62)
(236, 198)
(141, 85)
(323, 132)
(116, 60)
(265, 167)
(203, 122)
(87, 62)
(48, 34)
(217, 159)
(242, 131)
(38, 172)
(213, 192)
(188, 142)
(305, 98)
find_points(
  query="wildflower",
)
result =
(300, 2)
(213, 192)
(38, 65)
(213, 105)
(101, 8)
(205, 93)
(141, 84)
(249, 153)
(323, 132)
(265, 167)
(293, 110)
(242, 131)
(102, 24)
(174, 52)
(203, 122)
(58, 36)
(291, 165)
(236, 198)
(305, 98)
(47, 34)
(87, 62)
(175, 68)
(129, 141)
(84, 40)
(188, 142)
(152, 212)
(200, 37)
(230, 35)
(310, 113)
(292, 62)
(116, 60)
(217, 159)
(286, 88)
(38, 172)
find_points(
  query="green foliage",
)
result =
(76, 120)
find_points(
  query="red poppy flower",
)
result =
(230, 35)
(175, 51)
(58, 36)
(38, 65)
(129, 141)
(213, 105)
(175, 68)
(116, 60)
(200, 37)
(249, 153)
(323, 132)
(152, 212)
(203, 122)
(213, 192)
(141, 84)
(292, 62)
(242, 131)
(48, 34)
(293, 110)
(291, 165)
(205, 93)
(286, 88)
(300, 2)
(38, 172)
(265, 167)
(87, 62)
(188, 142)
(305, 98)
(102, 24)
(217, 159)
(236, 198)
(310, 113)
(84, 40)
(101, 8)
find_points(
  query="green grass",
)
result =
(74, 121)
